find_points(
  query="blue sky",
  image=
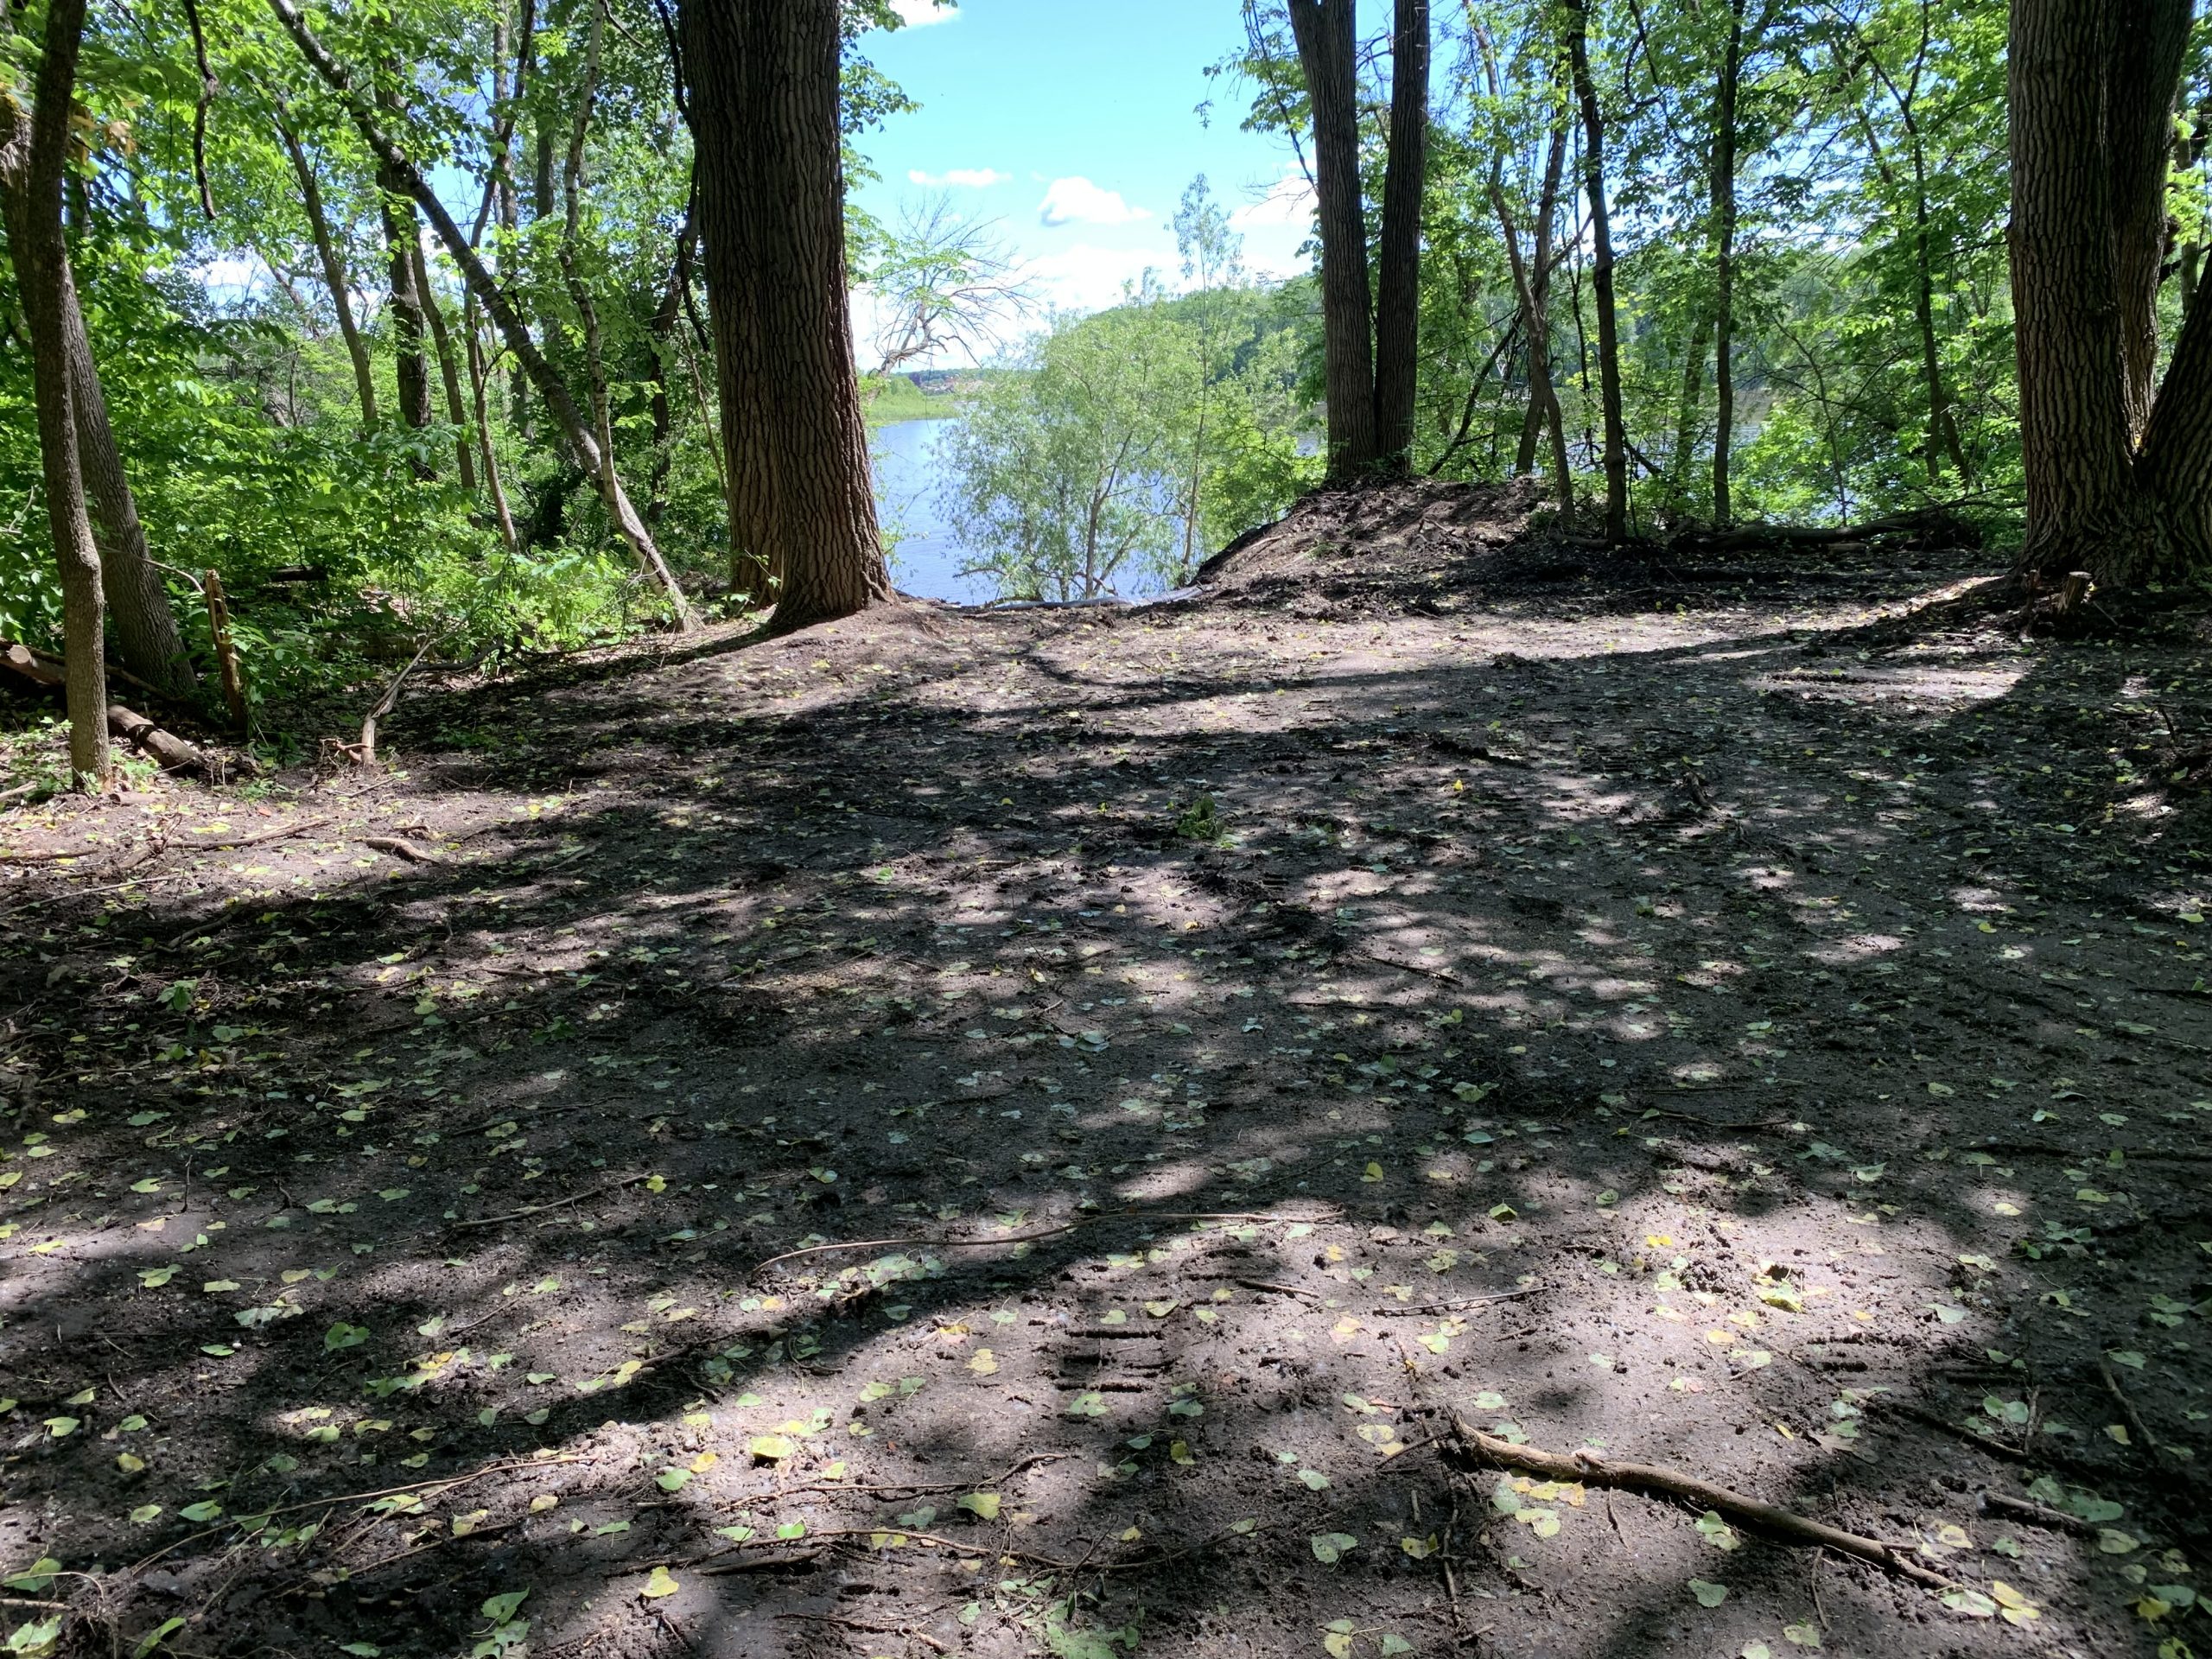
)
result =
(1074, 128)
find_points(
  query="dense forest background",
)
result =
(1774, 235)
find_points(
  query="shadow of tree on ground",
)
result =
(1219, 1045)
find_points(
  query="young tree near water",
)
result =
(762, 80)
(2119, 466)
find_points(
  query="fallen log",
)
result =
(173, 753)
(1671, 1486)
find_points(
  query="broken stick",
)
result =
(1671, 1486)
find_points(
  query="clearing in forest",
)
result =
(1056, 1131)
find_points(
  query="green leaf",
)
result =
(1708, 1593)
(1329, 1547)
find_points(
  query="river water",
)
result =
(926, 557)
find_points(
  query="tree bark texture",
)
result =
(1327, 46)
(1601, 271)
(2152, 38)
(763, 94)
(334, 270)
(550, 387)
(1397, 290)
(410, 371)
(2075, 231)
(33, 159)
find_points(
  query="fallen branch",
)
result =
(365, 753)
(1671, 1486)
(443, 1484)
(1025, 1238)
(2037, 1514)
(527, 1210)
(399, 847)
(258, 838)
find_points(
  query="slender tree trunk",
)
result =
(1690, 417)
(549, 386)
(410, 371)
(571, 225)
(660, 331)
(147, 635)
(1397, 294)
(33, 157)
(333, 269)
(1532, 289)
(1723, 240)
(763, 85)
(1601, 272)
(1327, 47)
(491, 458)
(448, 371)
(1540, 281)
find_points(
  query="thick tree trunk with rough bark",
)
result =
(1601, 271)
(550, 387)
(2088, 78)
(1327, 46)
(33, 157)
(333, 269)
(1397, 288)
(762, 79)
(2152, 38)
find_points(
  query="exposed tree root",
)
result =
(1671, 1486)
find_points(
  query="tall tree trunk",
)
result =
(1397, 290)
(334, 267)
(147, 636)
(763, 84)
(572, 173)
(1327, 47)
(448, 371)
(1724, 261)
(31, 162)
(2144, 84)
(476, 379)
(1601, 272)
(410, 371)
(550, 388)
(2084, 508)
(661, 331)
(1531, 290)
(1689, 417)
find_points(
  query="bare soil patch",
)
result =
(1717, 1011)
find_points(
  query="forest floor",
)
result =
(1745, 1014)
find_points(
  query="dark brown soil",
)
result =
(1736, 1013)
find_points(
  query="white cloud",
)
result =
(968, 178)
(1086, 277)
(1288, 200)
(920, 14)
(1078, 201)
